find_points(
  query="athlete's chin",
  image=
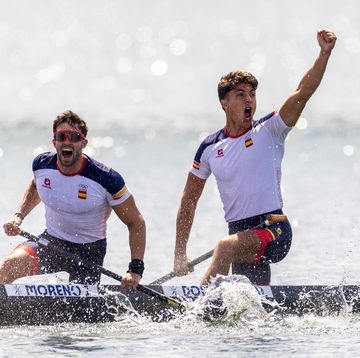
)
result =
(247, 122)
(67, 162)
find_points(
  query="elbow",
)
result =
(141, 223)
(303, 94)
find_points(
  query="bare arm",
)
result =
(185, 217)
(291, 110)
(132, 218)
(29, 201)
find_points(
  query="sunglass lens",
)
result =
(74, 137)
(71, 136)
(60, 136)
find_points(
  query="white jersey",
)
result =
(247, 168)
(78, 206)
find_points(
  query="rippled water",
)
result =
(144, 75)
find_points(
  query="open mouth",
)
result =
(67, 152)
(247, 112)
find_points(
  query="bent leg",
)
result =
(18, 264)
(258, 274)
(242, 247)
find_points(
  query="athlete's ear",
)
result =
(53, 142)
(84, 143)
(223, 103)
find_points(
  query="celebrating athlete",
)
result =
(245, 158)
(79, 194)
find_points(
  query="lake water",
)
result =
(144, 74)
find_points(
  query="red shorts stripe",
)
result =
(265, 236)
(32, 253)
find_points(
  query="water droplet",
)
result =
(348, 150)
(302, 123)
(178, 47)
(159, 67)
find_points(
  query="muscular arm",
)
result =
(28, 202)
(129, 214)
(291, 110)
(185, 217)
(30, 199)
(132, 218)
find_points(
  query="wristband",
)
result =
(19, 215)
(136, 266)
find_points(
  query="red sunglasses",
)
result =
(71, 136)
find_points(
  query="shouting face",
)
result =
(239, 105)
(69, 143)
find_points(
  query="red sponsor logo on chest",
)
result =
(220, 153)
(47, 183)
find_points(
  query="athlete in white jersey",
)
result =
(79, 195)
(245, 158)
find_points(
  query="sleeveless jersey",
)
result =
(78, 206)
(247, 168)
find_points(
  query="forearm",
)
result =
(137, 240)
(29, 200)
(291, 110)
(184, 221)
(312, 79)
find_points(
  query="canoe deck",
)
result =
(35, 304)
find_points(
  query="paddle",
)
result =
(270, 219)
(44, 242)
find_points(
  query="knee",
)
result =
(240, 245)
(7, 267)
(8, 262)
(14, 267)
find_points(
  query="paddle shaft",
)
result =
(172, 274)
(269, 220)
(46, 243)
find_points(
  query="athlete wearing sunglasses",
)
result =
(79, 195)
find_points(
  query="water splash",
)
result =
(229, 300)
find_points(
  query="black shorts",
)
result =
(275, 251)
(47, 261)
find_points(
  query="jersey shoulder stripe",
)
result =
(107, 177)
(120, 193)
(209, 140)
(263, 119)
(45, 160)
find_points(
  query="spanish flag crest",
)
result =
(248, 142)
(82, 193)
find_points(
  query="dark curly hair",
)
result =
(71, 118)
(232, 80)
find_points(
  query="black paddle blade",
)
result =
(213, 311)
